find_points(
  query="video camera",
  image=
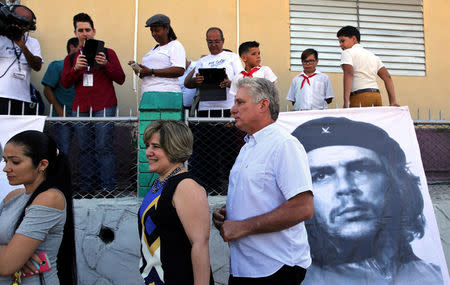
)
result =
(12, 25)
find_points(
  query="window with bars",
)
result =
(393, 30)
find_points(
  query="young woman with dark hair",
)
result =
(39, 217)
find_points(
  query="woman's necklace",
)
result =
(156, 186)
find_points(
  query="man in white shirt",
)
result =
(218, 58)
(17, 58)
(269, 194)
(219, 140)
(311, 89)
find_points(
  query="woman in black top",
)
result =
(174, 215)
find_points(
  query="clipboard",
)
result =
(91, 49)
(210, 89)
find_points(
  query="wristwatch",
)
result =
(153, 72)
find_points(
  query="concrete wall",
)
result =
(262, 20)
(107, 240)
(106, 261)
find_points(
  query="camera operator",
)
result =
(17, 58)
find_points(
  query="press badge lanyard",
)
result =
(18, 74)
(88, 78)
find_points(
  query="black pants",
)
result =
(16, 107)
(287, 275)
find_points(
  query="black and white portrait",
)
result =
(368, 206)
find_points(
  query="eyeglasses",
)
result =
(215, 42)
(309, 61)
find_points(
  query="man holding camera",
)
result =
(94, 92)
(19, 54)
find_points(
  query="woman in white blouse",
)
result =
(162, 66)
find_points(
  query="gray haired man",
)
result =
(269, 194)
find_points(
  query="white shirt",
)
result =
(188, 93)
(263, 72)
(10, 86)
(171, 54)
(271, 168)
(365, 66)
(233, 66)
(313, 94)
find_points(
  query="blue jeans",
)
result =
(63, 136)
(95, 141)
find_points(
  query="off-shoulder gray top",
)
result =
(41, 223)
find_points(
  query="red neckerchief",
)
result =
(250, 73)
(306, 78)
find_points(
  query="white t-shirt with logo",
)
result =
(171, 54)
(232, 64)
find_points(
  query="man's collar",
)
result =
(216, 54)
(261, 134)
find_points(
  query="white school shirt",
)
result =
(263, 72)
(11, 87)
(233, 66)
(171, 54)
(365, 66)
(312, 96)
(271, 168)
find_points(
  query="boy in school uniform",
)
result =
(361, 68)
(251, 56)
(310, 90)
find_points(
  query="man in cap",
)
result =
(368, 207)
(94, 91)
(269, 194)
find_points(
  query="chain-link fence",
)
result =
(216, 144)
(102, 154)
(434, 142)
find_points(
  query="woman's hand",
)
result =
(30, 267)
(145, 71)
